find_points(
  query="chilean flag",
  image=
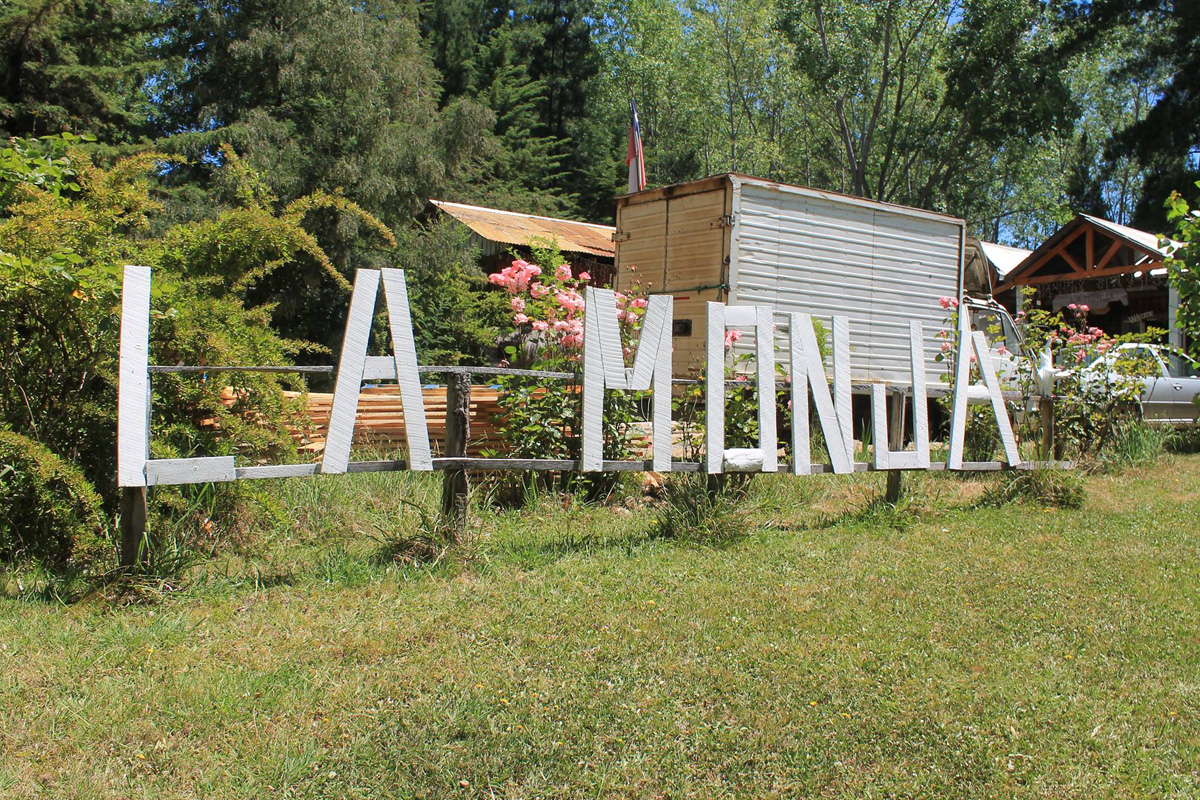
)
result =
(633, 154)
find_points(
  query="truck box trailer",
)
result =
(743, 240)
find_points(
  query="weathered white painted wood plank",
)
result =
(350, 372)
(740, 317)
(277, 471)
(133, 386)
(652, 370)
(744, 459)
(764, 341)
(175, 471)
(962, 379)
(841, 380)
(404, 350)
(714, 390)
(379, 368)
(838, 441)
(882, 456)
(801, 457)
(604, 302)
(592, 447)
(920, 398)
(990, 379)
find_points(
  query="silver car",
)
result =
(1169, 389)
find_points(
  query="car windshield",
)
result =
(997, 327)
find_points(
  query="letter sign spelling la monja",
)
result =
(603, 368)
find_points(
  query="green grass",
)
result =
(843, 648)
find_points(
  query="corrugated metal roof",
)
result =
(1146, 240)
(1003, 257)
(520, 229)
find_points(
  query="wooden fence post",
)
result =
(454, 481)
(133, 523)
(1050, 449)
(895, 443)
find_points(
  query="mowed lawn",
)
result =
(839, 650)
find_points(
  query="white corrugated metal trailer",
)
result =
(748, 241)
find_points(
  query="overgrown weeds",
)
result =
(1047, 487)
(695, 508)
(1133, 445)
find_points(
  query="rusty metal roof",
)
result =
(512, 228)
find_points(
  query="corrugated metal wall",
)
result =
(877, 266)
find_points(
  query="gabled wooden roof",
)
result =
(1087, 247)
(510, 227)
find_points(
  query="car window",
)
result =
(1139, 360)
(1180, 366)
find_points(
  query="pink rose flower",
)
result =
(583, 276)
(944, 301)
(540, 325)
(563, 273)
(639, 302)
(518, 304)
(538, 291)
(520, 319)
(498, 279)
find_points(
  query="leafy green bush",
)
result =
(48, 509)
(65, 235)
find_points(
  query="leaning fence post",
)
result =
(133, 523)
(458, 430)
(895, 443)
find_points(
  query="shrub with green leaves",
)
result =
(66, 234)
(48, 510)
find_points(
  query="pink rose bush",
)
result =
(548, 309)
(541, 416)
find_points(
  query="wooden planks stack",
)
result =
(380, 419)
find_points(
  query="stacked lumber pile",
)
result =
(380, 420)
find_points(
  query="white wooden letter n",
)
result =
(833, 410)
(604, 368)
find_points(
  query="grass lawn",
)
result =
(838, 650)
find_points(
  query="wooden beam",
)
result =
(1071, 276)
(454, 482)
(1061, 251)
(1089, 247)
(1108, 255)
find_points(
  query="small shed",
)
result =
(585, 245)
(1115, 270)
(743, 240)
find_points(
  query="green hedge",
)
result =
(48, 510)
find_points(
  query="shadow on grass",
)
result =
(532, 554)
(878, 514)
